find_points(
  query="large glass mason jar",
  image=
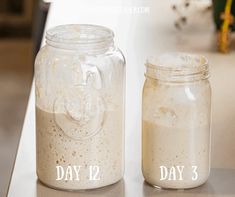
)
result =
(176, 121)
(80, 80)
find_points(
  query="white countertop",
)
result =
(141, 35)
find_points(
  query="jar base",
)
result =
(171, 188)
(77, 190)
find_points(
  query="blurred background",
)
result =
(21, 27)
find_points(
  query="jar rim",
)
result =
(177, 66)
(74, 36)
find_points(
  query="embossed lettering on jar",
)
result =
(79, 79)
(176, 121)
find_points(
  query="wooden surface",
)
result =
(15, 84)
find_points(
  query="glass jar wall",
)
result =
(176, 121)
(80, 80)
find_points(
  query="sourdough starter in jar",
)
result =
(79, 79)
(93, 154)
(176, 122)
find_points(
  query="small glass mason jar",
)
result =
(80, 80)
(176, 118)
